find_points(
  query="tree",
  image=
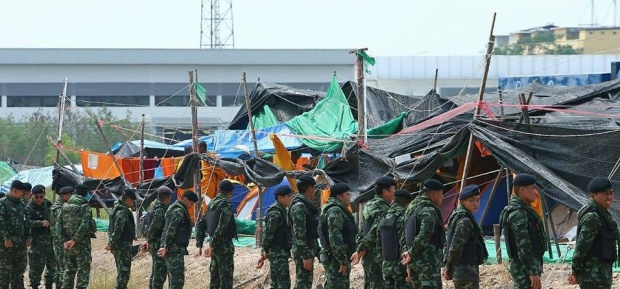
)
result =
(544, 42)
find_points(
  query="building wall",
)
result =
(601, 41)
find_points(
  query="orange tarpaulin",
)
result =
(169, 165)
(98, 166)
(282, 158)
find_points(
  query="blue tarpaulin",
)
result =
(208, 139)
(233, 143)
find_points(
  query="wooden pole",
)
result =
(194, 105)
(470, 145)
(435, 83)
(61, 113)
(57, 146)
(551, 224)
(141, 176)
(498, 249)
(259, 212)
(501, 102)
(118, 167)
(490, 201)
(361, 95)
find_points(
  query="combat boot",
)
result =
(49, 286)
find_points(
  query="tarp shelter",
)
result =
(208, 139)
(238, 195)
(248, 207)
(6, 172)
(152, 149)
(231, 143)
(40, 176)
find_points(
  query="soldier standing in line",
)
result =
(276, 245)
(153, 235)
(524, 234)
(220, 224)
(465, 249)
(41, 253)
(304, 219)
(425, 237)
(75, 225)
(121, 233)
(596, 248)
(391, 234)
(64, 194)
(15, 234)
(175, 238)
(367, 244)
(25, 199)
(337, 231)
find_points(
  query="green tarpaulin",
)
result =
(6, 172)
(264, 118)
(387, 128)
(331, 119)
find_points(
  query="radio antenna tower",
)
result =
(216, 24)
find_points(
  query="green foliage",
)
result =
(541, 43)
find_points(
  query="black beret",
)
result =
(385, 182)
(226, 186)
(190, 196)
(163, 190)
(403, 194)
(27, 187)
(599, 184)
(38, 189)
(432, 185)
(81, 190)
(282, 191)
(307, 179)
(469, 191)
(338, 189)
(66, 190)
(129, 193)
(18, 185)
(524, 180)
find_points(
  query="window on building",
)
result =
(180, 100)
(232, 100)
(112, 101)
(32, 101)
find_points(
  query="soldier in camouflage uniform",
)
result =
(175, 238)
(15, 234)
(76, 226)
(153, 235)
(64, 194)
(596, 248)
(41, 253)
(425, 237)
(337, 231)
(304, 219)
(465, 249)
(391, 236)
(276, 245)
(367, 246)
(524, 234)
(121, 233)
(220, 224)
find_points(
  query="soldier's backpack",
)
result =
(388, 233)
(71, 219)
(145, 221)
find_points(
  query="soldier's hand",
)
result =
(8, 244)
(572, 279)
(355, 258)
(144, 247)
(46, 224)
(162, 252)
(406, 258)
(535, 282)
(108, 247)
(199, 252)
(260, 263)
(343, 270)
(27, 243)
(408, 279)
(208, 252)
(308, 264)
(69, 245)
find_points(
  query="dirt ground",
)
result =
(103, 271)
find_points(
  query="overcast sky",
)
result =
(386, 27)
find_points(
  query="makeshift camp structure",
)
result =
(248, 206)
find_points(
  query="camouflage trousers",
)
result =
(12, 266)
(466, 277)
(303, 277)
(373, 277)
(280, 275)
(466, 284)
(426, 274)
(595, 274)
(77, 262)
(41, 257)
(159, 270)
(519, 274)
(594, 286)
(221, 270)
(394, 275)
(122, 258)
(59, 253)
(333, 279)
(175, 261)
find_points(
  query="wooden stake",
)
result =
(141, 173)
(361, 95)
(490, 201)
(435, 84)
(498, 249)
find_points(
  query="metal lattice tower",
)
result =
(216, 24)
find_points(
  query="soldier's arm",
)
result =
(298, 223)
(274, 222)
(427, 221)
(335, 225)
(400, 226)
(201, 231)
(462, 234)
(4, 233)
(157, 223)
(83, 231)
(58, 226)
(29, 221)
(590, 225)
(226, 217)
(119, 223)
(174, 221)
(519, 225)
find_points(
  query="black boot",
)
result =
(34, 286)
(49, 286)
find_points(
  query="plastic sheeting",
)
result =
(152, 149)
(6, 172)
(264, 118)
(232, 143)
(40, 176)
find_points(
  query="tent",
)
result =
(152, 149)
(239, 193)
(40, 176)
(247, 208)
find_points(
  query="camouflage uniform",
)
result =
(59, 251)
(75, 224)
(175, 238)
(276, 244)
(526, 241)
(12, 228)
(121, 234)
(340, 233)
(159, 271)
(41, 253)
(394, 273)
(222, 265)
(426, 248)
(595, 249)
(465, 250)
(304, 221)
(367, 241)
